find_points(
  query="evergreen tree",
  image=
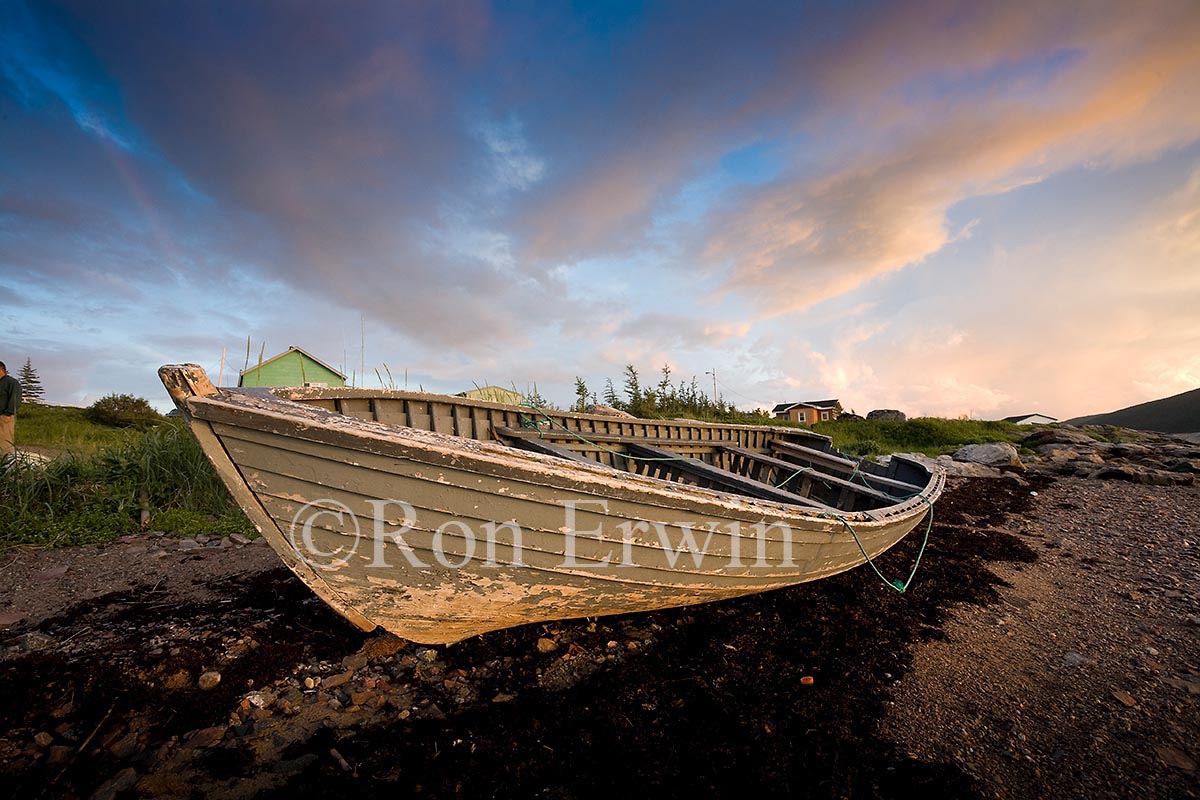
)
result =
(581, 395)
(633, 387)
(610, 395)
(31, 384)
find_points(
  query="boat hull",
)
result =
(437, 539)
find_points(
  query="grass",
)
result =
(105, 482)
(63, 429)
(929, 435)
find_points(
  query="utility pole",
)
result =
(714, 376)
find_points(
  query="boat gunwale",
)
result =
(307, 418)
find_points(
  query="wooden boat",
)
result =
(440, 517)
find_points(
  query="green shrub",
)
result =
(75, 499)
(929, 435)
(123, 411)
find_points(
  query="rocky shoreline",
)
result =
(1093, 452)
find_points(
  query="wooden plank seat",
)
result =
(529, 440)
(839, 464)
(792, 470)
(724, 478)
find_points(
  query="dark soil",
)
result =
(712, 700)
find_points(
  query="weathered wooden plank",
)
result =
(842, 465)
(530, 441)
(723, 477)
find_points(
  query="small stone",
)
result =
(116, 784)
(261, 699)
(189, 544)
(1173, 757)
(202, 539)
(501, 697)
(125, 747)
(1125, 698)
(340, 760)
(333, 681)
(309, 683)
(209, 680)
(8, 618)
(807, 680)
(60, 754)
(428, 655)
(205, 737)
(43, 739)
(36, 641)
(238, 538)
(545, 645)
(1073, 659)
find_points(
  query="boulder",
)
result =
(887, 415)
(996, 454)
(608, 411)
(1056, 451)
(1059, 435)
(1136, 474)
(958, 469)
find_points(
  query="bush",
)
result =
(123, 411)
(72, 499)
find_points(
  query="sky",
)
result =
(979, 209)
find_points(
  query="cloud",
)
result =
(524, 195)
(807, 238)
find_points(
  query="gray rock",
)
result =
(887, 415)
(1073, 659)
(239, 539)
(189, 544)
(1060, 435)
(958, 469)
(996, 454)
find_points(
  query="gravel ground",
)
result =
(1083, 680)
(1048, 648)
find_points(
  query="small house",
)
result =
(293, 367)
(808, 411)
(1030, 419)
(493, 394)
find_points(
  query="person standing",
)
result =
(10, 398)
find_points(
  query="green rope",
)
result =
(897, 585)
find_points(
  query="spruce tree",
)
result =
(31, 384)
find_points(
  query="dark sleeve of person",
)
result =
(10, 396)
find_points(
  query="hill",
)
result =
(1177, 414)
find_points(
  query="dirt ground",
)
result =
(1048, 647)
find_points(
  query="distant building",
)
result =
(808, 411)
(1030, 419)
(293, 367)
(493, 394)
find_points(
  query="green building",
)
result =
(294, 367)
